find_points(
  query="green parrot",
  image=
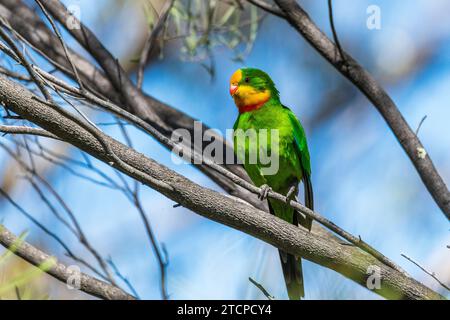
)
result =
(258, 102)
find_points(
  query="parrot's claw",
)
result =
(265, 189)
(291, 194)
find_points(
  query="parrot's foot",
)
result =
(265, 189)
(291, 194)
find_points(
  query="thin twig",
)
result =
(333, 29)
(150, 41)
(420, 124)
(123, 278)
(6, 129)
(263, 290)
(162, 260)
(66, 51)
(19, 57)
(431, 274)
(14, 75)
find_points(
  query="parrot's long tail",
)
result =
(292, 269)
(292, 265)
(293, 275)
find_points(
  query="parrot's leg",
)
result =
(265, 189)
(291, 193)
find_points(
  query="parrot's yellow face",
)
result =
(247, 92)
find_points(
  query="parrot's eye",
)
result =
(247, 80)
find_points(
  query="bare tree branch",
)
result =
(160, 256)
(431, 274)
(66, 51)
(15, 75)
(26, 130)
(261, 288)
(36, 257)
(150, 41)
(333, 29)
(20, 58)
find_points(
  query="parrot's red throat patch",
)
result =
(252, 107)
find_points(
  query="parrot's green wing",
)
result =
(236, 123)
(301, 146)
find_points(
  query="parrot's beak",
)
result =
(233, 89)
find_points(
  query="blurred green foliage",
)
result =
(18, 279)
(201, 26)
